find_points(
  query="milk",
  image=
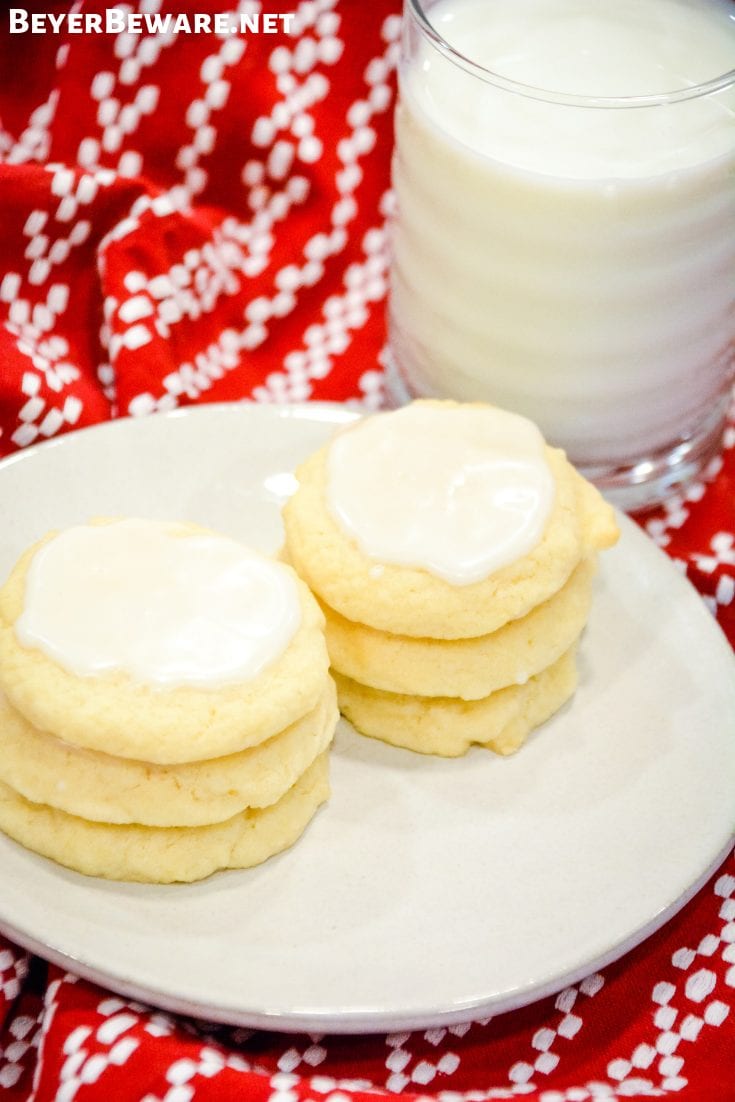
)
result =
(573, 263)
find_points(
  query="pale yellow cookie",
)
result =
(413, 602)
(116, 715)
(466, 668)
(164, 855)
(448, 727)
(95, 786)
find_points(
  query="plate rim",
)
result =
(296, 410)
(361, 1022)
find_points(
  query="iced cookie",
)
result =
(96, 786)
(452, 553)
(448, 726)
(166, 706)
(165, 854)
(160, 642)
(441, 520)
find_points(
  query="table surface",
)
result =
(170, 240)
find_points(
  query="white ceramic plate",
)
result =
(426, 891)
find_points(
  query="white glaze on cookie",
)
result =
(459, 492)
(166, 604)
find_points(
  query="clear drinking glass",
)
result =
(568, 250)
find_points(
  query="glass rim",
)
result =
(694, 91)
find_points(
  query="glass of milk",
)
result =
(564, 243)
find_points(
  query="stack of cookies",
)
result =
(165, 702)
(452, 553)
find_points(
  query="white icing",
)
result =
(165, 606)
(457, 491)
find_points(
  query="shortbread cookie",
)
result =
(118, 712)
(466, 668)
(164, 855)
(447, 726)
(95, 786)
(413, 601)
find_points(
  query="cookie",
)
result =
(412, 601)
(165, 855)
(95, 786)
(447, 726)
(467, 668)
(121, 715)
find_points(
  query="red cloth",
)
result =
(199, 219)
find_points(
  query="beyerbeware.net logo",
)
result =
(117, 21)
